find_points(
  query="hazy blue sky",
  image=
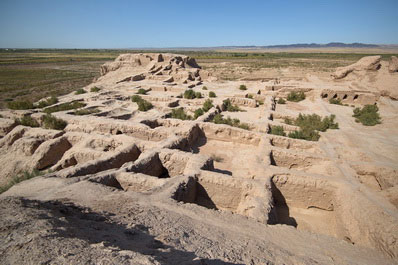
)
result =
(176, 23)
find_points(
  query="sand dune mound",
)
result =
(371, 63)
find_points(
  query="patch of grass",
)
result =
(20, 105)
(51, 122)
(198, 95)
(141, 91)
(95, 89)
(19, 178)
(204, 88)
(47, 102)
(281, 101)
(368, 115)
(212, 94)
(180, 114)
(198, 113)
(82, 112)
(296, 97)
(208, 104)
(277, 130)
(64, 107)
(144, 105)
(250, 96)
(336, 101)
(218, 119)
(260, 102)
(242, 87)
(310, 126)
(27, 121)
(80, 91)
(229, 107)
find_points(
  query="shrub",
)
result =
(47, 102)
(95, 89)
(306, 134)
(198, 95)
(311, 125)
(189, 94)
(242, 87)
(212, 94)
(260, 102)
(180, 114)
(204, 88)
(208, 104)
(80, 91)
(51, 122)
(19, 178)
(65, 106)
(198, 112)
(141, 91)
(81, 112)
(144, 105)
(250, 96)
(336, 101)
(368, 115)
(229, 107)
(296, 97)
(136, 98)
(281, 101)
(218, 119)
(277, 130)
(20, 105)
(27, 121)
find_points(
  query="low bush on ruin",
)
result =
(51, 122)
(229, 107)
(27, 121)
(95, 89)
(47, 102)
(277, 130)
(242, 87)
(64, 107)
(335, 101)
(218, 119)
(368, 115)
(80, 91)
(20, 105)
(180, 114)
(281, 101)
(212, 94)
(296, 97)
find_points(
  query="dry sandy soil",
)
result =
(139, 187)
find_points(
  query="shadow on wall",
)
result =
(72, 221)
(280, 212)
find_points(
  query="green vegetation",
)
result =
(204, 88)
(368, 115)
(81, 112)
(197, 113)
(19, 178)
(95, 89)
(47, 102)
(180, 114)
(310, 125)
(20, 105)
(336, 101)
(260, 102)
(51, 122)
(277, 130)
(80, 91)
(250, 96)
(212, 94)
(27, 121)
(242, 87)
(64, 107)
(218, 119)
(296, 97)
(207, 105)
(281, 101)
(143, 105)
(141, 91)
(229, 107)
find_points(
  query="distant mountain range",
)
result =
(308, 45)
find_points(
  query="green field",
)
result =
(34, 74)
